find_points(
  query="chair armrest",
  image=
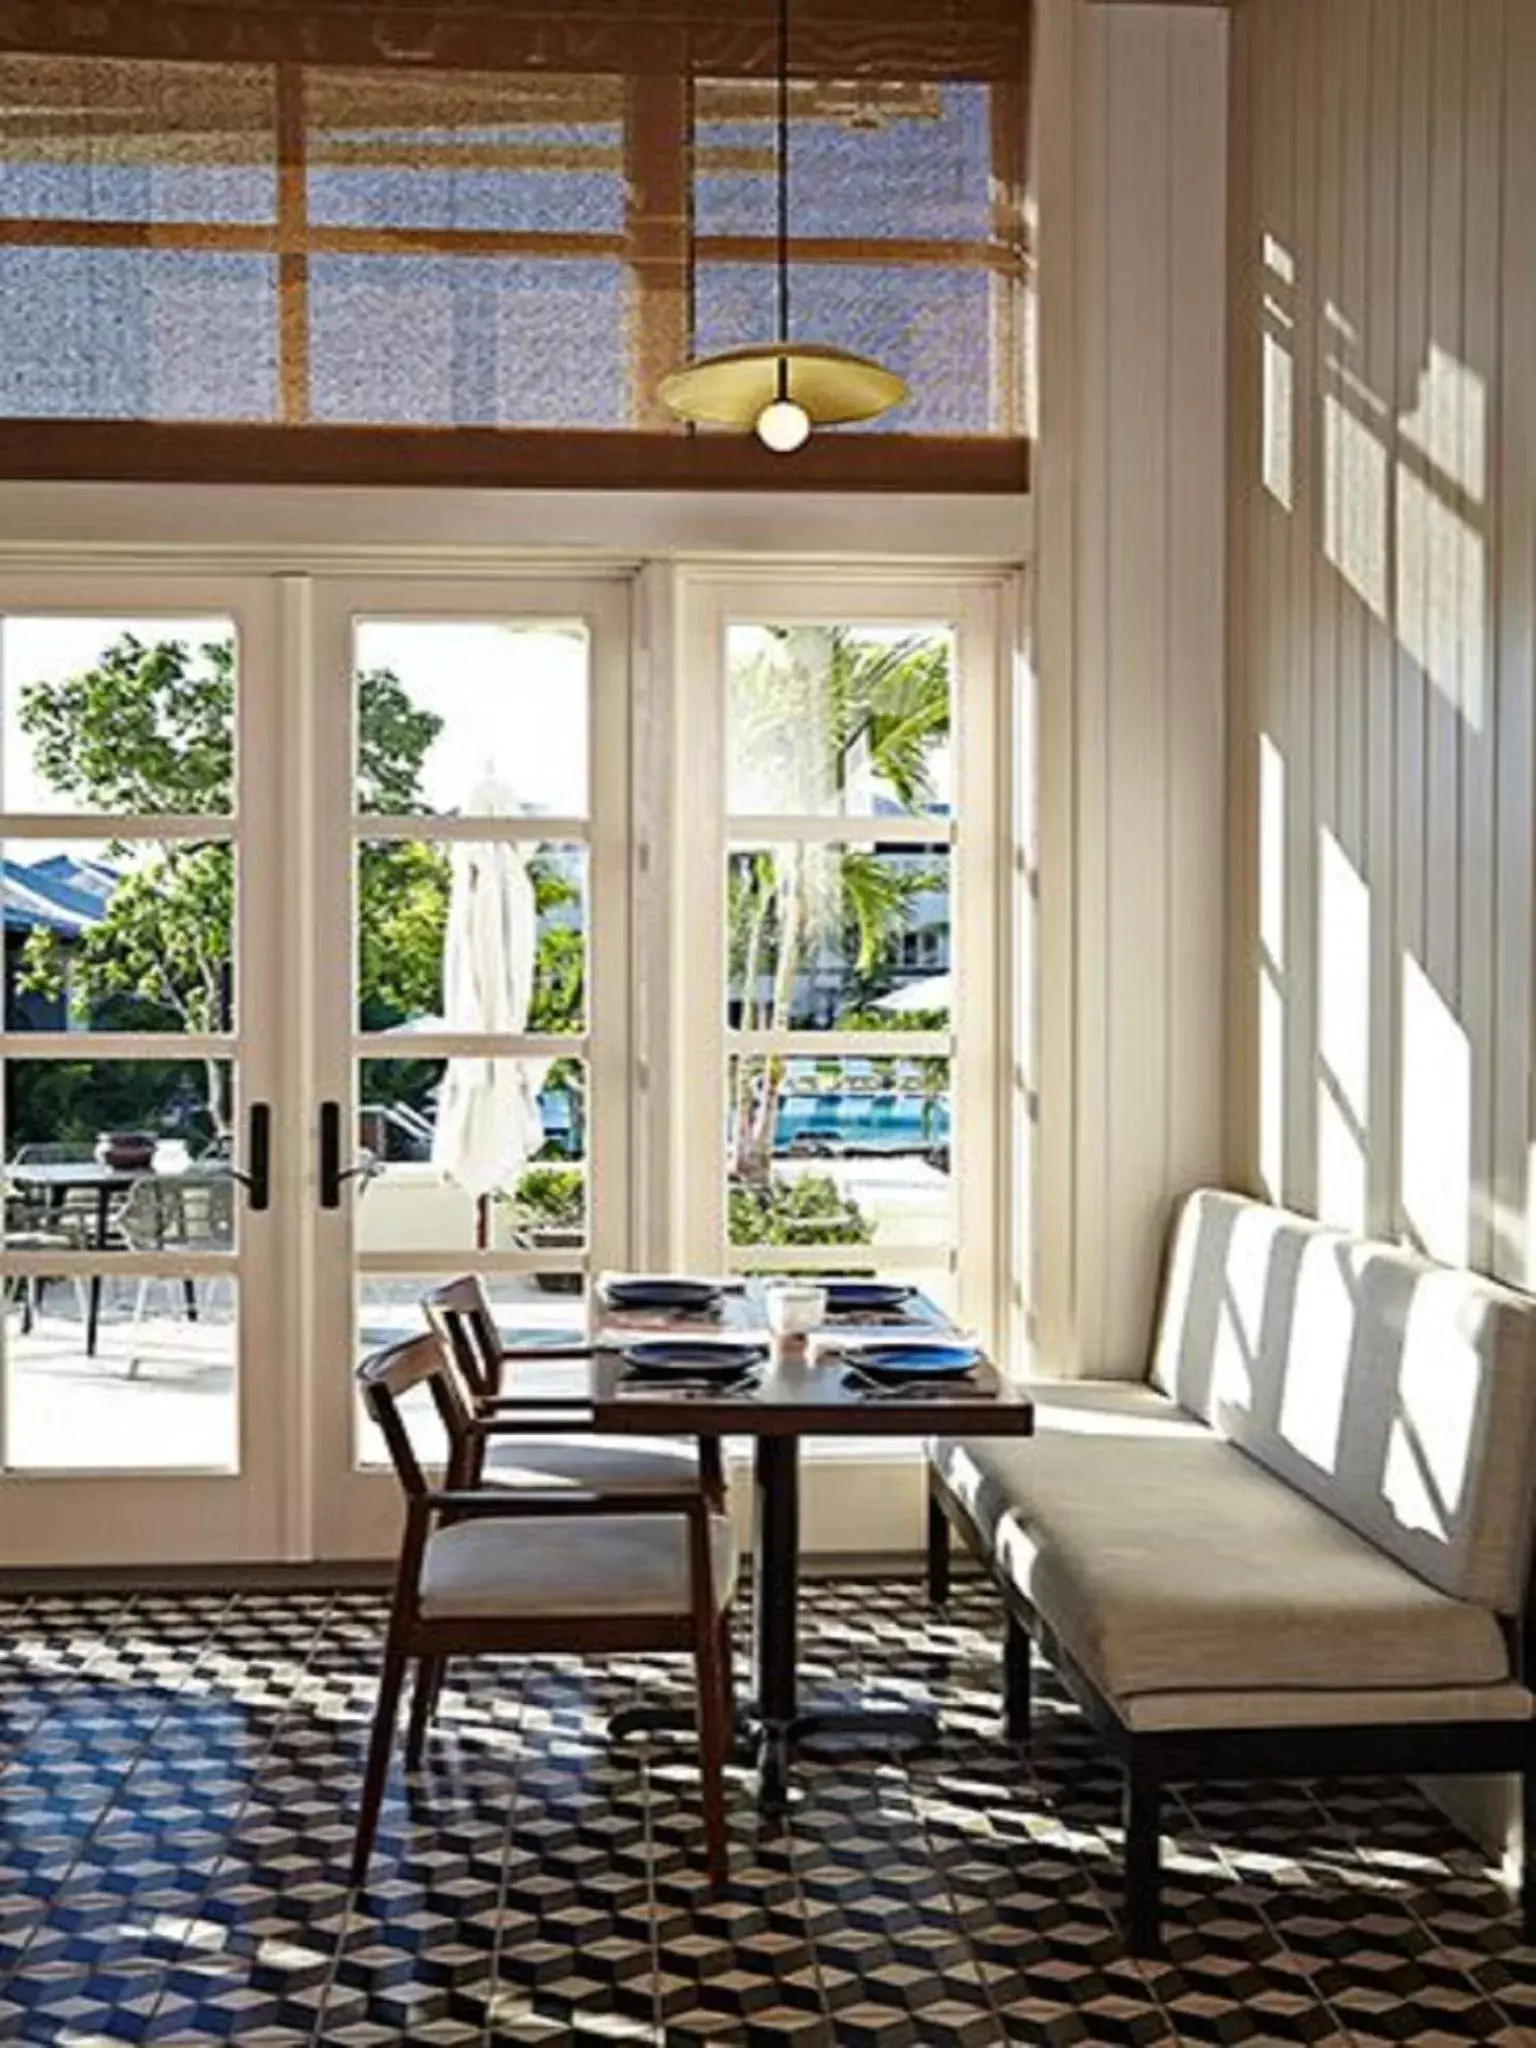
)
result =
(532, 1502)
(529, 1354)
(577, 1414)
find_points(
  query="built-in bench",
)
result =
(1298, 1545)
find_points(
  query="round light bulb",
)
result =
(783, 426)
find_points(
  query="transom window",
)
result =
(300, 215)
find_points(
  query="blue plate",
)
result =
(699, 1361)
(867, 1297)
(915, 1361)
(662, 1294)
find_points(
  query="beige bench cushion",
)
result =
(1167, 1561)
(615, 1564)
(614, 1464)
(1398, 1395)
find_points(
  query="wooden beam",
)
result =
(658, 132)
(523, 459)
(293, 262)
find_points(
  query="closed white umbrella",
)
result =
(488, 1123)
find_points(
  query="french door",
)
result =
(351, 943)
(469, 1069)
(146, 1384)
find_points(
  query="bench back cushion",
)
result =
(1397, 1394)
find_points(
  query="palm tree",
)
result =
(816, 712)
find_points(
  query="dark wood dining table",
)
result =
(805, 1387)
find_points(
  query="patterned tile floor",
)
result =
(176, 1785)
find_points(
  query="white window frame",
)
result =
(690, 1062)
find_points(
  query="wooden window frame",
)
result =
(658, 63)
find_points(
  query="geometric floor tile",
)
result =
(177, 1779)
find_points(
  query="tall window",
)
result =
(850, 929)
(312, 215)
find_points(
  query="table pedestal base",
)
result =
(773, 1745)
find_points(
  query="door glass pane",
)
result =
(81, 1135)
(839, 721)
(531, 1308)
(472, 716)
(121, 935)
(153, 1391)
(514, 914)
(826, 937)
(840, 1151)
(472, 1152)
(127, 715)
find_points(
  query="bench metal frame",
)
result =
(1153, 1759)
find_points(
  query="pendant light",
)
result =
(782, 389)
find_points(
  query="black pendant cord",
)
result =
(783, 155)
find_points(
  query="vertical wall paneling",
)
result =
(1513, 510)
(1194, 625)
(1147, 543)
(1087, 994)
(1383, 550)
(1135, 767)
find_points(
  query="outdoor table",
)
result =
(795, 1395)
(56, 1179)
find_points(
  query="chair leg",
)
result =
(189, 1297)
(712, 1472)
(1143, 1874)
(709, 1680)
(938, 1552)
(376, 1774)
(429, 1676)
(1016, 1680)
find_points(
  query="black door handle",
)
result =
(332, 1172)
(256, 1179)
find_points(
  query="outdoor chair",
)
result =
(488, 1570)
(32, 1224)
(461, 1314)
(191, 1211)
(70, 1209)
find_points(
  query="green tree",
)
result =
(816, 710)
(150, 730)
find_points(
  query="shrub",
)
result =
(550, 1198)
(810, 1209)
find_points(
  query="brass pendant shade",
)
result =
(782, 389)
(830, 386)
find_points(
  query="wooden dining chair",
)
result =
(461, 1315)
(491, 1570)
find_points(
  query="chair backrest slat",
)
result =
(461, 1315)
(388, 1375)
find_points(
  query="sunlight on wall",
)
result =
(1343, 1035)
(1355, 475)
(1449, 422)
(1279, 386)
(1442, 573)
(1436, 1120)
(1271, 1075)
(1277, 431)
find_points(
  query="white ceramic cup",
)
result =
(795, 1306)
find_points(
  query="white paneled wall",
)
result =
(1383, 644)
(1131, 624)
(1384, 545)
